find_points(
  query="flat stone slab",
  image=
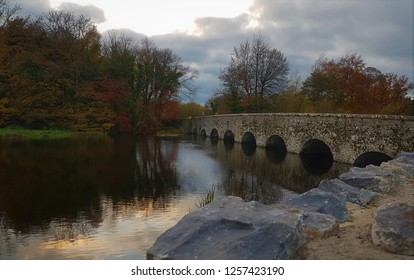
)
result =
(393, 229)
(230, 229)
(347, 192)
(371, 178)
(316, 200)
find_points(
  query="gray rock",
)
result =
(323, 202)
(394, 228)
(318, 226)
(405, 157)
(400, 168)
(371, 178)
(347, 192)
(230, 228)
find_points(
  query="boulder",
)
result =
(371, 178)
(405, 157)
(320, 201)
(318, 225)
(347, 192)
(393, 229)
(229, 229)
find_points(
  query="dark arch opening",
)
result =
(194, 130)
(228, 139)
(276, 148)
(248, 144)
(316, 156)
(214, 134)
(375, 158)
(249, 139)
(203, 133)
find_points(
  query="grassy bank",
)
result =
(30, 134)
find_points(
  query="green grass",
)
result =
(31, 134)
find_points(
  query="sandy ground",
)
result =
(353, 241)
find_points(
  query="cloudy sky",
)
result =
(204, 32)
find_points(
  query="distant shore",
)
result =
(33, 134)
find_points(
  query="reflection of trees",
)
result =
(66, 188)
(156, 174)
(249, 187)
(46, 180)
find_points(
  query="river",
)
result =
(97, 197)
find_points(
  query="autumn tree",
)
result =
(56, 72)
(117, 81)
(191, 109)
(51, 67)
(160, 79)
(255, 72)
(348, 85)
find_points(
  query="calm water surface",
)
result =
(105, 198)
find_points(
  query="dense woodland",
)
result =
(58, 71)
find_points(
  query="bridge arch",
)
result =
(228, 136)
(276, 142)
(214, 134)
(228, 139)
(248, 144)
(316, 147)
(375, 158)
(249, 139)
(203, 133)
(276, 148)
(316, 156)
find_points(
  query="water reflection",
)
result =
(110, 198)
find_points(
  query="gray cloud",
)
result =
(31, 7)
(38, 7)
(380, 31)
(90, 11)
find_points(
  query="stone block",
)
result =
(347, 192)
(323, 202)
(393, 229)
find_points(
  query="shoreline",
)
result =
(353, 240)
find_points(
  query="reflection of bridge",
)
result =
(345, 136)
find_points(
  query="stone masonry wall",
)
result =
(347, 135)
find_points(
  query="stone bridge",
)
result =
(345, 136)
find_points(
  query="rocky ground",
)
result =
(367, 213)
(353, 240)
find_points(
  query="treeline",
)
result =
(256, 80)
(56, 71)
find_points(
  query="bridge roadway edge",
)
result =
(347, 135)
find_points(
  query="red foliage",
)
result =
(124, 123)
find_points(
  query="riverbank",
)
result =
(367, 213)
(353, 240)
(32, 134)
